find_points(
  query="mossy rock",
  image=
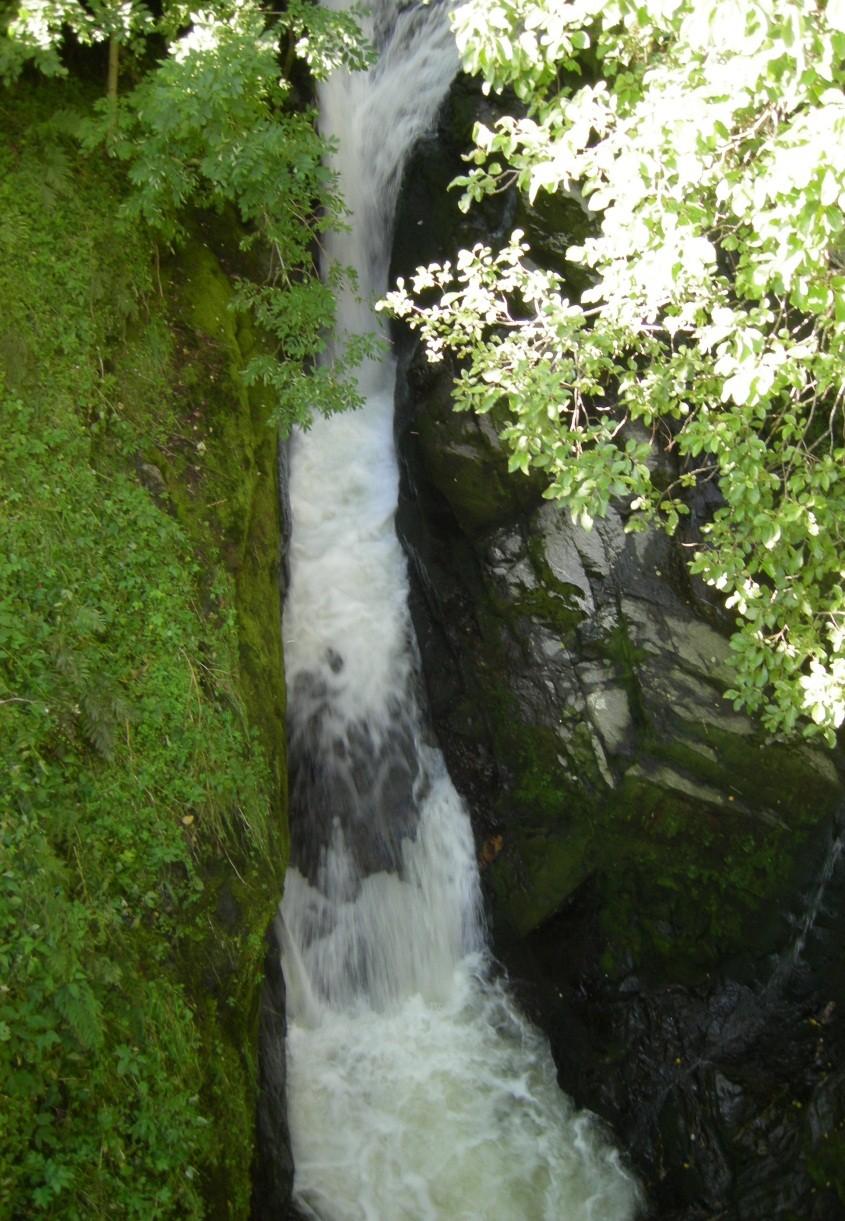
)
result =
(228, 501)
(826, 1161)
(696, 833)
(224, 485)
(533, 875)
(552, 224)
(465, 461)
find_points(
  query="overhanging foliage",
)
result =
(706, 142)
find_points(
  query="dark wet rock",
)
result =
(359, 781)
(273, 1170)
(577, 666)
(729, 1095)
(152, 479)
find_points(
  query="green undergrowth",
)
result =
(142, 837)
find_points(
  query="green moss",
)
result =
(693, 850)
(206, 297)
(704, 879)
(533, 875)
(466, 463)
(142, 828)
(550, 607)
(557, 789)
(553, 602)
(547, 848)
(224, 488)
(465, 471)
(618, 648)
(785, 778)
(687, 882)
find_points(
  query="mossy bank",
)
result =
(142, 822)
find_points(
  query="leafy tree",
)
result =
(706, 142)
(212, 124)
(36, 31)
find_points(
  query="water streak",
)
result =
(817, 900)
(792, 958)
(416, 1089)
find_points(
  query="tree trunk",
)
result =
(114, 63)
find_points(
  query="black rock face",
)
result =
(728, 1094)
(272, 1176)
(351, 778)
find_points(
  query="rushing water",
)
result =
(416, 1089)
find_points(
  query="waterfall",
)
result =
(416, 1090)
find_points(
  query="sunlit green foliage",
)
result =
(706, 142)
(210, 123)
(36, 31)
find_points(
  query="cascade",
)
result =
(415, 1088)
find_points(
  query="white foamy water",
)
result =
(367, 943)
(416, 1090)
(443, 1112)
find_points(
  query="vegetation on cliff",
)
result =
(144, 351)
(705, 316)
(208, 121)
(142, 815)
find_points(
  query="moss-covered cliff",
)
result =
(142, 821)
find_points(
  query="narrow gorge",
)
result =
(562, 919)
(415, 1087)
(662, 880)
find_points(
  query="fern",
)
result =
(78, 1006)
(88, 701)
(102, 711)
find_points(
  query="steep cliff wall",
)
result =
(659, 871)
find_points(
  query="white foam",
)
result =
(443, 1112)
(366, 944)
